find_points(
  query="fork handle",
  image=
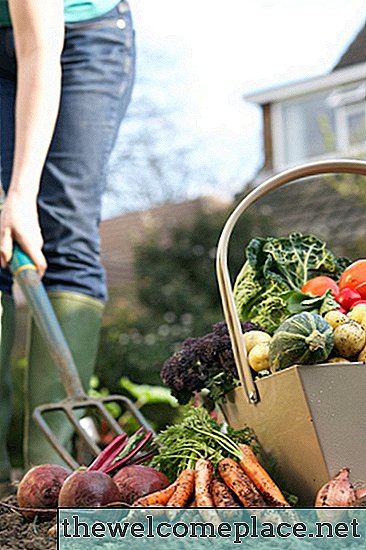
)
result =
(26, 275)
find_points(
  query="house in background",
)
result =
(319, 117)
(311, 120)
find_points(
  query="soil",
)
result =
(17, 533)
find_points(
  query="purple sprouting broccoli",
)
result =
(204, 365)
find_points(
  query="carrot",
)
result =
(184, 489)
(224, 500)
(222, 496)
(204, 474)
(203, 480)
(240, 484)
(159, 498)
(261, 478)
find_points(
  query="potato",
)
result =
(338, 360)
(358, 314)
(362, 355)
(258, 357)
(254, 337)
(335, 318)
(349, 339)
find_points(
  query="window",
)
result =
(350, 109)
(314, 125)
(351, 126)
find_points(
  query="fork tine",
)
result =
(75, 421)
(64, 454)
(69, 406)
(112, 422)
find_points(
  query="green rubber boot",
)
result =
(7, 331)
(80, 318)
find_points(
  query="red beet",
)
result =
(85, 489)
(136, 481)
(40, 488)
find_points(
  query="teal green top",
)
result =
(75, 10)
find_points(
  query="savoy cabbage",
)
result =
(276, 266)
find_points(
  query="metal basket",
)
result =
(310, 418)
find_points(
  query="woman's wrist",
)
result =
(20, 192)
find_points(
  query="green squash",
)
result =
(303, 339)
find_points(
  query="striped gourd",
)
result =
(303, 339)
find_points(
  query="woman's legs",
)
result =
(98, 72)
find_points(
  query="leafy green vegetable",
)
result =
(198, 435)
(275, 267)
(296, 302)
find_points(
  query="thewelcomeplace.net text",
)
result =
(73, 527)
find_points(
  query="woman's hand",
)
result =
(19, 222)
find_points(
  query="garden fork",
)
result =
(25, 273)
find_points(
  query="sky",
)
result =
(202, 56)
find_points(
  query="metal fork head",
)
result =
(70, 407)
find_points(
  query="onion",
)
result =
(338, 492)
(136, 481)
(88, 489)
(39, 489)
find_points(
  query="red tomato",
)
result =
(354, 277)
(319, 286)
(348, 297)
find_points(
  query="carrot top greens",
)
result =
(198, 435)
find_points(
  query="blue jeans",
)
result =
(98, 67)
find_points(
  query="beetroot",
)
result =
(85, 489)
(136, 481)
(40, 488)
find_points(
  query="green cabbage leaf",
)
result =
(274, 272)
